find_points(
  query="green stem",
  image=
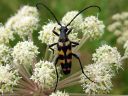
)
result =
(70, 77)
(123, 58)
(46, 53)
(51, 56)
(69, 82)
(67, 85)
(82, 41)
(79, 94)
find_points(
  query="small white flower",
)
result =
(114, 26)
(76, 22)
(108, 55)
(120, 27)
(25, 25)
(5, 54)
(126, 49)
(101, 74)
(59, 93)
(24, 22)
(124, 15)
(8, 78)
(28, 11)
(92, 27)
(44, 74)
(47, 36)
(5, 35)
(24, 52)
(123, 38)
(116, 16)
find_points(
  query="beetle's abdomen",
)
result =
(65, 56)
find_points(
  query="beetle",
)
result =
(65, 45)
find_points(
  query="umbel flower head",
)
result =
(44, 74)
(8, 78)
(28, 11)
(107, 54)
(59, 93)
(120, 27)
(92, 27)
(5, 54)
(101, 74)
(126, 49)
(24, 52)
(24, 22)
(47, 36)
(75, 25)
(5, 35)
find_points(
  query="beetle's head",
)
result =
(63, 31)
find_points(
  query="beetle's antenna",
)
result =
(38, 4)
(82, 11)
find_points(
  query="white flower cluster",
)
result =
(77, 21)
(90, 26)
(59, 93)
(46, 34)
(24, 52)
(107, 55)
(28, 11)
(8, 78)
(126, 49)
(120, 27)
(93, 27)
(5, 54)
(102, 70)
(24, 22)
(5, 35)
(44, 74)
(102, 76)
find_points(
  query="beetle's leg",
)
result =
(50, 46)
(82, 67)
(68, 32)
(56, 73)
(55, 32)
(74, 44)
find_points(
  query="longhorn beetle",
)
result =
(64, 45)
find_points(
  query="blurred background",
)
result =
(109, 7)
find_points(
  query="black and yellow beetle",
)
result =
(64, 45)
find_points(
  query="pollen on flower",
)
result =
(24, 22)
(77, 21)
(8, 78)
(47, 36)
(108, 55)
(44, 74)
(5, 35)
(101, 75)
(59, 93)
(28, 11)
(92, 27)
(5, 54)
(24, 52)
